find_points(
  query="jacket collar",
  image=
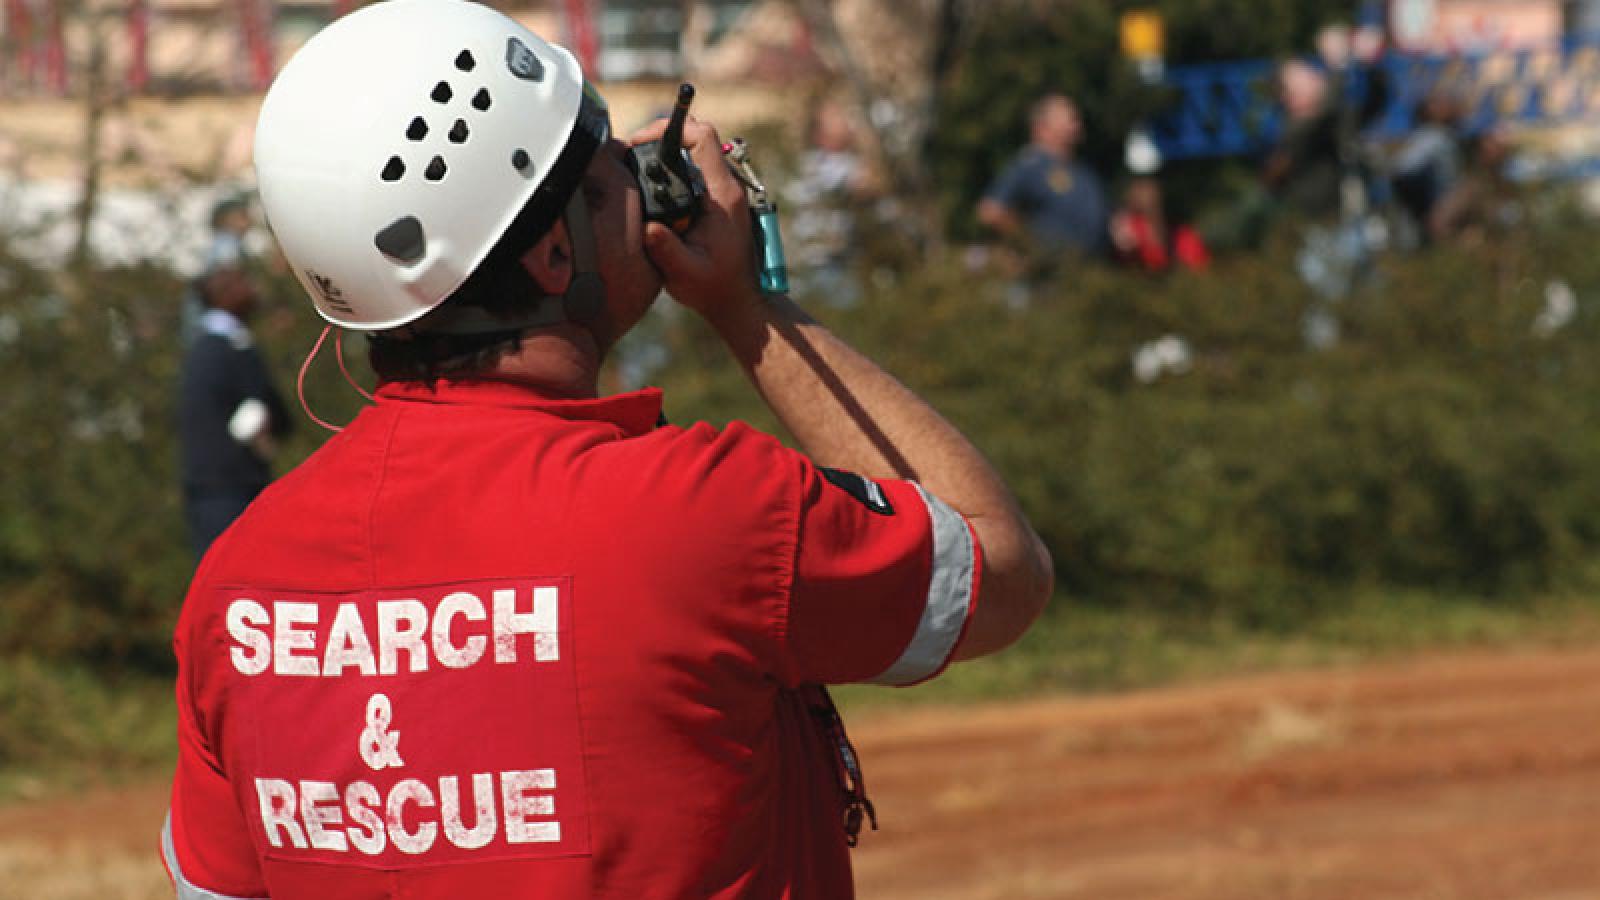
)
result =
(636, 412)
(226, 325)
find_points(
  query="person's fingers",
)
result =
(693, 133)
(705, 148)
(697, 134)
(671, 255)
(648, 133)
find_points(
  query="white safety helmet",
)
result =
(414, 142)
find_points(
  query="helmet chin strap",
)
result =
(583, 301)
(585, 298)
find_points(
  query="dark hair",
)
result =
(230, 204)
(416, 354)
(205, 286)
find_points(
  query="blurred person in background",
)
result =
(1147, 236)
(1304, 170)
(1428, 164)
(230, 416)
(1046, 197)
(230, 223)
(1484, 201)
(830, 187)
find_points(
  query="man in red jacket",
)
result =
(503, 637)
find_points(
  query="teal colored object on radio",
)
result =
(774, 274)
(773, 278)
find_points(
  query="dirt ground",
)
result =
(1447, 778)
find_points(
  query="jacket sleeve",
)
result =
(205, 842)
(886, 578)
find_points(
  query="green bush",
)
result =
(87, 528)
(94, 555)
(1441, 445)
(66, 716)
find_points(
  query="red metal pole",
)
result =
(255, 23)
(19, 31)
(267, 62)
(138, 44)
(585, 41)
(55, 48)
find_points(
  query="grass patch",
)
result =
(1094, 650)
(66, 727)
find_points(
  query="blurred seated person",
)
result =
(1484, 201)
(1046, 196)
(1428, 163)
(831, 185)
(1303, 172)
(1146, 236)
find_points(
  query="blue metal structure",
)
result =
(1231, 109)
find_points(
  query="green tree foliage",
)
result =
(1014, 51)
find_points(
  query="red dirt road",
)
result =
(1456, 778)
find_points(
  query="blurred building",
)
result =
(185, 47)
(177, 84)
(1583, 18)
(1476, 26)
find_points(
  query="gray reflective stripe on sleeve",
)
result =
(186, 891)
(949, 598)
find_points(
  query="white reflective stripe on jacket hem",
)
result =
(186, 891)
(949, 598)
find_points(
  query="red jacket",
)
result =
(1183, 246)
(487, 644)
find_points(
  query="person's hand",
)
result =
(265, 445)
(1123, 236)
(711, 267)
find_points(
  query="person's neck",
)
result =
(562, 361)
(1063, 154)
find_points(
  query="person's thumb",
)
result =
(668, 251)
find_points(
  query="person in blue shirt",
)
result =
(1046, 196)
(230, 416)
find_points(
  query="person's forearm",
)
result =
(846, 412)
(1000, 218)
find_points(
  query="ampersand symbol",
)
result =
(380, 747)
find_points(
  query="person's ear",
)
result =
(549, 262)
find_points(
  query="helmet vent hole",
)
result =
(394, 170)
(441, 93)
(480, 100)
(402, 240)
(519, 159)
(458, 132)
(417, 130)
(435, 170)
(464, 61)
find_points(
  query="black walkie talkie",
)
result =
(670, 183)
